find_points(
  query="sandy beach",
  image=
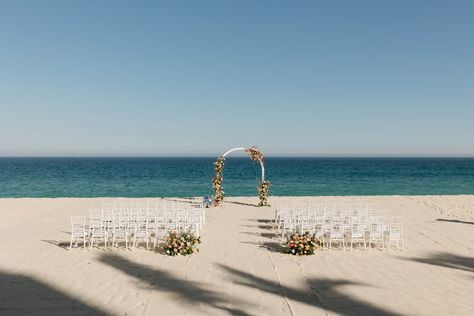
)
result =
(240, 269)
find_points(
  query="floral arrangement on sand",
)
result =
(302, 244)
(181, 244)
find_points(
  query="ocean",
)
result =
(186, 177)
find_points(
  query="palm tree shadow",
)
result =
(189, 291)
(454, 221)
(448, 260)
(24, 295)
(322, 293)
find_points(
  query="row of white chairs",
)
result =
(183, 213)
(357, 206)
(301, 210)
(351, 224)
(135, 223)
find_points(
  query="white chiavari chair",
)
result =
(79, 232)
(395, 232)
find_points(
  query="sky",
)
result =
(316, 78)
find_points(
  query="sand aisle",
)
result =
(239, 269)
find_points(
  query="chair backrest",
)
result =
(346, 222)
(108, 207)
(78, 224)
(396, 224)
(336, 225)
(96, 219)
(376, 223)
(108, 213)
(96, 214)
(96, 224)
(121, 221)
(141, 225)
(358, 223)
(362, 206)
(319, 224)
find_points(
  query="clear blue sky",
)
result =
(199, 77)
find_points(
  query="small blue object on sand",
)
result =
(207, 201)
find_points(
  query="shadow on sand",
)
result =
(265, 231)
(269, 246)
(24, 295)
(61, 244)
(266, 227)
(322, 293)
(448, 260)
(240, 203)
(264, 235)
(189, 292)
(454, 221)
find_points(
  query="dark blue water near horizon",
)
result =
(185, 177)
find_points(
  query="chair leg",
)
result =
(70, 245)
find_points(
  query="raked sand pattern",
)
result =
(240, 269)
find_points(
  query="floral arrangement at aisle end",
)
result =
(263, 189)
(181, 244)
(218, 196)
(302, 244)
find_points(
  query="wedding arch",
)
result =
(256, 155)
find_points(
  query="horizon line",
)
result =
(243, 155)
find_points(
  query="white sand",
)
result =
(238, 270)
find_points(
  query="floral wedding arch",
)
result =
(256, 155)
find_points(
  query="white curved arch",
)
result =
(243, 149)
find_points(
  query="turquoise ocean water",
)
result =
(184, 177)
